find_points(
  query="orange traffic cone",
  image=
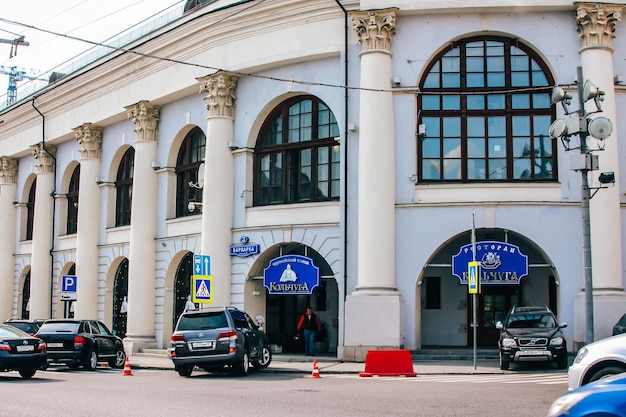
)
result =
(316, 370)
(127, 371)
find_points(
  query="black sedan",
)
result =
(81, 343)
(21, 352)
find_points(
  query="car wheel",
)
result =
(185, 371)
(266, 358)
(119, 361)
(504, 364)
(606, 372)
(243, 367)
(92, 360)
(27, 373)
(562, 361)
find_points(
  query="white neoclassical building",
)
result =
(353, 144)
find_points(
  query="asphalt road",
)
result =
(106, 392)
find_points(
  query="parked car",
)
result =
(601, 398)
(620, 326)
(217, 338)
(81, 343)
(29, 326)
(532, 334)
(21, 352)
(597, 360)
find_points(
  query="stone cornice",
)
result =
(45, 157)
(89, 137)
(375, 28)
(145, 116)
(220, 88)
(595, 23)
(8, 170)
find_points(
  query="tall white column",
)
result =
(218, 194)
(8, 192)
(141, 256)
(596, 24)
(41, 259)
(375, 305)
(90, 139)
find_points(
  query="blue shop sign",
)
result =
(290, 275)
(500, 263)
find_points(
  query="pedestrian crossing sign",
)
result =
(202, 289)
(473, 280)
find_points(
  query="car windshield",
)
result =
(206, 321)
(27, 327)
(60, 327)
(6, 331)
(525, 321)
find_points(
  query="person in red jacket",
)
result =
(311, 324)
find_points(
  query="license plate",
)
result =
(533, 352)
(25, 348)
(210, 344)
(54, 344)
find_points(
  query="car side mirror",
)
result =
(562, 325)
(499, 325)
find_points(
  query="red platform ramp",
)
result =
(388, 363)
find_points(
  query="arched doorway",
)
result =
(182, 286)
(25, 313)
(445, 299)
(284, 311)
(120, 299)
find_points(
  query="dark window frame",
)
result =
(124, 188)
(190, 156)
(30, 211)
(297, 155)
(449, 102)
(71, 222)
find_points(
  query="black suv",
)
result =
(532, 334)
(218, 338)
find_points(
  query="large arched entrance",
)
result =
(446, 307)
(283, 311)
(120, 299)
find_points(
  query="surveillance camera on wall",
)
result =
(607, 177)
(191, 207)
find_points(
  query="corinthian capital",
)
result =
(220, 88)
(8, 170)
(375, 28)
(596, 23)
(146, 119)
(90, 139)
(45, 156)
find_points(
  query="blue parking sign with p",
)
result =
(69, 283)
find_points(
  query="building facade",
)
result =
(353, 145)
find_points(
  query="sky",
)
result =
(92, 20)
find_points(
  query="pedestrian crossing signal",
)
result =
(202, 289)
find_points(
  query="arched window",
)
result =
(190, 156)
(30, 211)
(72, 202)
(297, 155)
(485, 103)
(124, 188)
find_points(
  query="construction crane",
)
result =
(17, 74)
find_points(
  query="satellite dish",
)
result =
(201, 175)
(600, 127)
(558, 128)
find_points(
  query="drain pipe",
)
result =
(52, 195)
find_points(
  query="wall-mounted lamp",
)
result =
(156, 166)
(351, 127)
(396, 81)
(233, 146)
(618, 79)
(413, 178)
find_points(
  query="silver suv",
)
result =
(218, 338)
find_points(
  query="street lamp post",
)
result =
(583, 126)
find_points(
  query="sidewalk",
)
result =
(285, 363)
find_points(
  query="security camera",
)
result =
(607, 177)
(191, 207)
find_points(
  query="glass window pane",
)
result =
(450, 64)
(451, 80)
(519, 63)
(430, 148)
(521, 148)
(496, 101)
(541, 125)
(430, 169)
(539, 79)
(519, 79)
(432, 80)
(520, 101)
(476, 147)
(451, 126)
(430, 103)
(521, 126)
(495, 64)
(452, 148)
(497, 169)
(451, 102)
(476, 126)
(475, 80)
(475, 64)
(476, 169)
(543, 168)
(476, 102)
(497, 147)
(495, 79)
(541, 101)
(475, 48)
(432, 127)
(496, 126)
(452, 169)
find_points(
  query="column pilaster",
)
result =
(375, 305)
(596, 24)
(41, 259)
(8, 193)
(142, 257)
(89, 137)
(218, 194)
